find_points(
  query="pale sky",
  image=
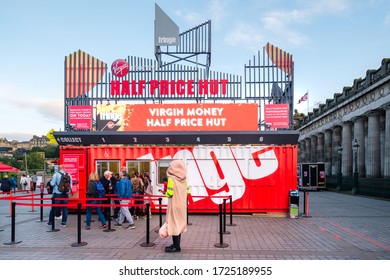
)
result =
(332, 43)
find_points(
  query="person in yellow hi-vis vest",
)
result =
(177, 191)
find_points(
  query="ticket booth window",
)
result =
(102, 166)
(162, 170)
(135, 165)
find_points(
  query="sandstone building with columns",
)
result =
(358, 118)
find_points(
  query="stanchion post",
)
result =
(306, 205)
(188, 223)
(159, 212)
(109, 229)
(41, 209)
(220, 244)
(79, 243)
(13, 226)
(224, 217)
(53, 221)
(10, 204)
(231, 212)
(32, 203)
(147, 243)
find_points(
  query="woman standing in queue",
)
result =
(92, 193)
(177, 191)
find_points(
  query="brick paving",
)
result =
(340, 227)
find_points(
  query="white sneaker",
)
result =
(58, 218)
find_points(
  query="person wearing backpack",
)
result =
(14, 182)
(124, 190)
(60, 197)
(93, 192)
(25, 182)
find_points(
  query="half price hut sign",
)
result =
(177, 117)
(120, 69)
(168, 87)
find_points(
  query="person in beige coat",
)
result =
(177, 191)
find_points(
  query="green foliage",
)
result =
(35, 157)
(34, 161)
(11, 161)
(52, 151)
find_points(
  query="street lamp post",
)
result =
(339, 178)
(355, 148)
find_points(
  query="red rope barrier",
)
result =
(74, 201)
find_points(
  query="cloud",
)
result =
(386, 20)
(283, 23)
(51, 109)
(244, 34)
(16, 135)
(37, 117)
(216, 10)
(321, 7)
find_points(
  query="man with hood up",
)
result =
(177, 191)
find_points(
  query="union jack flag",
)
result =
(304, 97)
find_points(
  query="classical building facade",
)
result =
(351, 132)
(35, 141)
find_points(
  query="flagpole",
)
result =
(307, 102)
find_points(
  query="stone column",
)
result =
(308, 149)
(386, 170)
(302, 151)
(328, 152)
(320, 145)
(347, 149)
(373, 166)
(336, 144)
(299, 150)
(313, 148)
(358, 130)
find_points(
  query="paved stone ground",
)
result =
(339, 227)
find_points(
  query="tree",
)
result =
(11, 161)
(35, 161)
(52, 151)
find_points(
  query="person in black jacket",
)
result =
(108, 181)
(6, 186)
(91, 194)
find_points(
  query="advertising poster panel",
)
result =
(80, 117)
(71, 166)
(177, 117)
(276, 115)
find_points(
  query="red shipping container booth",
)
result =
(257, 177)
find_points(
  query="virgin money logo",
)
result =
(120, 68)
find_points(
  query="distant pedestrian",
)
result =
(177, 191)
(34, 180)
(92, 193)
(25, 182)
(6, 185)
(14, 182)
(124, 191)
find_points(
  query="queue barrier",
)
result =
(147, 243)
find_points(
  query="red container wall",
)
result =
(258, 178)
(76, 164)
